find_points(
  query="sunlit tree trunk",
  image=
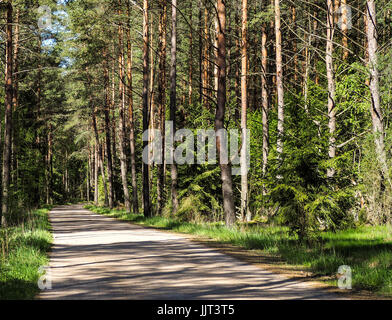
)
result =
(121, 129)
(331, 86)
(375, 109)
(265, 101)
(344, 28)
(244, 106)
(162, 102)
(279, 83)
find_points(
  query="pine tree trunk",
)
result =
(162, 102)
(227, 185)
(190, 61)
(135, 204)
(265, 101)
(96, 169)
(107, 131)
(146, 183)
(279, 83)
(331, 86)
(375, 109)
(173, 103)
(244, 105)
(8, 118)
(345, 29)
(121, 129)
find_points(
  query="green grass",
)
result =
(28, 245)
(367, 250)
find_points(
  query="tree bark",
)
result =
(96, 173)
(107, 130)
(331, 86)
(244, 105)
(173, 103)
(162, 102)
(135, 203)
(344, 29)
(265, 101)
(279, 83)
(121, 129)
(375, 108)
(146, 184)
(8, 117)
(227, 185)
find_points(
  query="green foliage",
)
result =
(28, 244)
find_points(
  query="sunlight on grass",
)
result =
(28, 245)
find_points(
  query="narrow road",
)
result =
(97, 257)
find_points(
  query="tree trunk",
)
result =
(100, 157)
(135, 204)
(279, 83)
(331, 86)
(265, 102)
(345, 29)
(15, 104)
(227, 185)
(8, 118)
(190, 61)
(146, 184)
(121, 129)
(375, 109)
(107, 130)
(173, 103)
(244, 105)
(96, 168)
(162, 103)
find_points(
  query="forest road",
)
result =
(97, 257)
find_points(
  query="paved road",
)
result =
(97, 257)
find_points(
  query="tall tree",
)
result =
(279, 82)
(146, 183)
(107, 129)
(244, 106)
(135, 203)
(227, 184)
(375, 109)
(8, 115)
(331, 86)
(173, 103)
(162, 102)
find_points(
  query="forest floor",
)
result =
(98, 257)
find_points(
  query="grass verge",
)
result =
(24, 249)
(367, 250)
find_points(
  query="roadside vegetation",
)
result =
(366, 249)
(24, 249)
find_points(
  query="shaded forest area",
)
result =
(310, 79)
